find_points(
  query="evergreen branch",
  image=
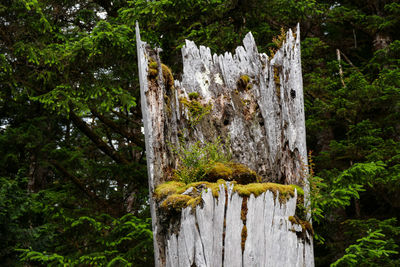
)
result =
(81, 125)
(122, 131)
(77, 182)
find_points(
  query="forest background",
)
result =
(73, 179)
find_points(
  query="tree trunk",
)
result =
(255, 105)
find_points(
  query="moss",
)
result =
(153, 69)
(174, 187)
(246, 190)
(307, 225)
(168, 188)
(300, 191)
(220, 171)
(167, 193)
(194, 202)
(277, 80)
(242, 174)
(171, 197)
(245, 102)
(293, 220)
(244, 236)
(214, 187)
(285, 191)
(166, 71)
(197, 110)
(164, 192)
(232, 172)
(167, 75)
(280, 39)
(243, 83)
(245, 79)
(176, 202)
(153, 73)
(153, 65)
(193, 96)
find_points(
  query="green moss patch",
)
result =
(168, 188)
(277, 80)
(193, 96)
(170, 196)
(166, 72)
(285, 191)
(153, 65)
(167, 75)
(197, 110)
(231, 171)
(244, 83)
(300, 191)
(176, 202)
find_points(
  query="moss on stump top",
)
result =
(232, 171)
(178, 195)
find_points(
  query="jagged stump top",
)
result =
(254, 104)
(247, 98)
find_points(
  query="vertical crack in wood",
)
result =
(201, 241)
(266, 127)
(224, 227)
(244, 219)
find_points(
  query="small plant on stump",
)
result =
(196, 160)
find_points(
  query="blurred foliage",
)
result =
(73, 176)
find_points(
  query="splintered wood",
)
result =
(254, 104)
(212, 235)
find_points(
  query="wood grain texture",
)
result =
(264, 121)
(271, 237)
(262, 124)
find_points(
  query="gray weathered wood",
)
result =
(148, 118)
(233, 230)
(264, 123)
(271, 237)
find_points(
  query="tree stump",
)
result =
(255, 106)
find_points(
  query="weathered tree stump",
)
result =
(255, 105)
